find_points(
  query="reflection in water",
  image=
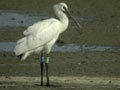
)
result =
(9, 47)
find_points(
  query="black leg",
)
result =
(42, 67)
(47, 73)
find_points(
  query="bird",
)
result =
(42, 35)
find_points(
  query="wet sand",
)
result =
(73, 64)
(88, 71)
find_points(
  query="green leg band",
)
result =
(47, 60)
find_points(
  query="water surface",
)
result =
(9, 47)
(20, 19)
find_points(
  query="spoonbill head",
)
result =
(41, 36)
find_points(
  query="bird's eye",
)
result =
(64, 7)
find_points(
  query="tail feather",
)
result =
(20, 47)
(20, 56)
(23, 56)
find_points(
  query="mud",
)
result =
(88, 71)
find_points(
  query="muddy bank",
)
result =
(87, 71)
(92, 64)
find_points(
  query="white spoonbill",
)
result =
(41, 36)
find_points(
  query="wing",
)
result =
(38, 36)
(38, 27)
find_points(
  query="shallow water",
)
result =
(20, 19)
(9, 47)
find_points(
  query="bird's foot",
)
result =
(41, 84)
(47, 84)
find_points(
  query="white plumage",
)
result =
(42, 35)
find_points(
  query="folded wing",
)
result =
(37, 35)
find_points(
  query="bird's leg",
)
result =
(42, 67)
(46, 65)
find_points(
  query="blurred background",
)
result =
(99, 18)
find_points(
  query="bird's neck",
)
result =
(64, 21)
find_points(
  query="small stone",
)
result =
(83, 62)
(13, 18)
(118, 88)
(112, 16)
(22, 21)
(110, 81)
(86, 57)
(79, 63)
(91, 81)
